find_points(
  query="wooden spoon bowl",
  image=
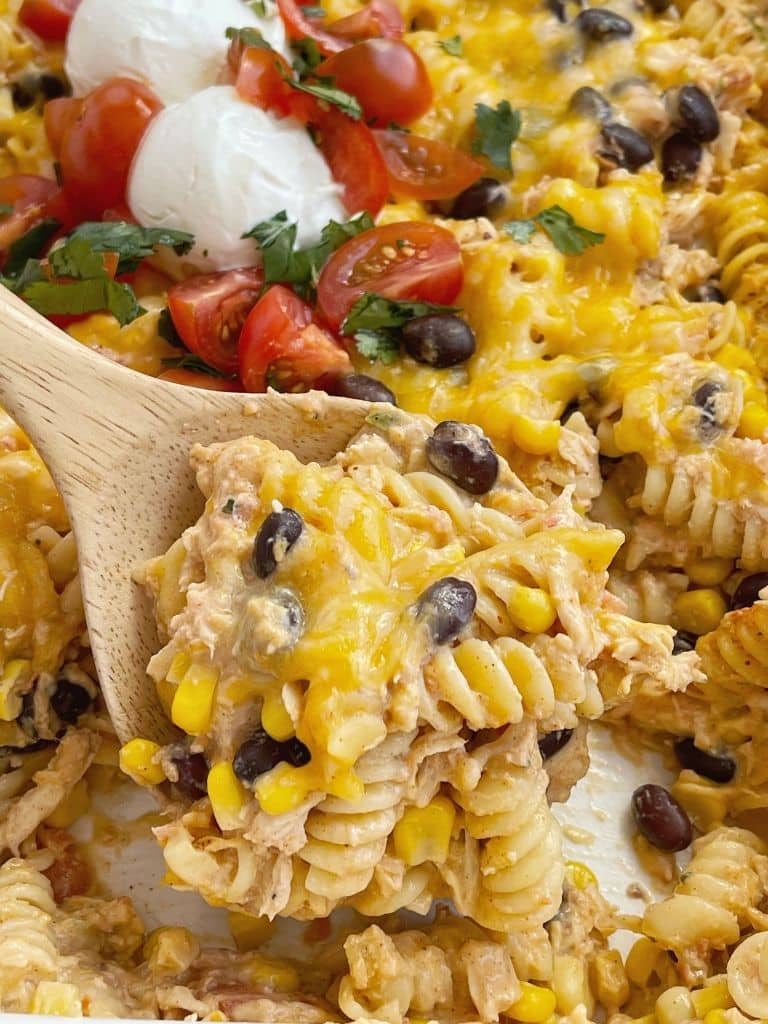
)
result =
(117, 445)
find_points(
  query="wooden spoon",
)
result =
(117, 444)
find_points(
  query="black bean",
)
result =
(360, 385)
(717, 767)
(26, 90)
(705, 397)
(661, 819)
(447, 606)
(294, 613)
(554, 742)
(193, 773)
(484, 198)
(464, 454)
(707, 292)
(277, 535)
(439, 340)
(27, 715)
(698, 113)
(680, 157)
(600, 25)
(625, 147)
(747, 592)
(684, 642)
(69, 700)
(296, 753)
(588, 102)
(557, 7)
(257, 755)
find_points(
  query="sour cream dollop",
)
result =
(216, 166)
(176, 47)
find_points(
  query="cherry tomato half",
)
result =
(378, 19)
(58, 117)
(281, 347)
(421, 168)
(48, 18)
(388, 78)
(409, 260)
(99, 144)
(350, 151)
(299, 26)
(209, 310)
(261, 80)
(197, 379)
(29, 197)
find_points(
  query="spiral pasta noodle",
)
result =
(741, 235)
(736, 653)
(726, 879)
(28, 951)
(520, 864)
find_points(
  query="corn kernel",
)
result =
(753, 422)
(579, 875)
(272, 974)
(193, 701)
(227, 794)
(712, 997)
(275, 718)
(57, 999)
(74, 806)
(569, 982)
(716, 1017)
(249, 932)
(138, 759)
(597, 548)
(642, 961)
(531, 609)
(171, 950)
(536, 437)
(281, 790)
(708, 572)
(698, 611)
(13, 680)
(733, 357)
(179, 667)
(535, 1005)
(424, 833)
(609, 979)
(674, 1006)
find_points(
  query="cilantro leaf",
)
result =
(307, 56)
(378, 346)
(258, 7)
(248, 36)
(496, 128)
(373, 312)
(77, 297)
(77, 259)
(5, 209)
(453, 46)
(324, 89)
(520, 230)
(189, 361)
(568, 236)
(29, 246)
(130, 241)
(276, 238)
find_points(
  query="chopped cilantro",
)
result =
(72, 298)
(374, 321)
(276, 238)
(520, 230)
(130, 241)
(188, 361)
(29, 246)
(248, 37)
(567, 236)
(5, 209)
(453, 46)
(324, 89)
(496, 130)
(307, 56)
(228, 507)
(258, 7)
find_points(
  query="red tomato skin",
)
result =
(387, 77)
(99, 145)
(209, 310)
(280, 337)
(299, 26)
(48, 19)
(350, 151)
(378, 19)
(32, 198)
(58, 116)
(196, 379)
(408, 260)
(422, 168)
(259, 81)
